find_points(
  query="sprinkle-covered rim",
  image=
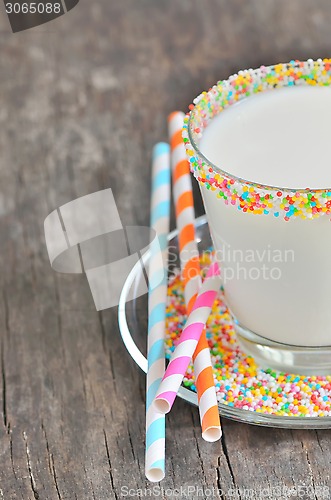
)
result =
(250, 196)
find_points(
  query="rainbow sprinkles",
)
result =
(239, 382)
(248, 196)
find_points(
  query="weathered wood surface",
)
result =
(83, 99)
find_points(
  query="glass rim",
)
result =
(221, 171)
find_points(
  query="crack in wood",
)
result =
(93, 494)
(94, 497)
(172, 471)
(103, 332)
(28, 458)
(227, 458)
(29, 253)
(104, 346)
(11, 456)
(83, 379)
(310, 469)
(6, 310)
(4, 387)
(93, 396)
(142, 388)
(47, 447)
(111, 362)
(71, 176)
(120, 447)
(90, 480)
(110, 466)
(197, 444)
(218, 479)
(59, 318)
(318, 441)
(55, 476)
(130, 441)
(12, 464)
(3, 368)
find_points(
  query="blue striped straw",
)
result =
(158, 270)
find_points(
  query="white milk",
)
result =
(277, 274)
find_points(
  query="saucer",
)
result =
(246, 392)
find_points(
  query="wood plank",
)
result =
(83, 100)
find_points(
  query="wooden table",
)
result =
(83, 100)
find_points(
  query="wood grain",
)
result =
(83, 100)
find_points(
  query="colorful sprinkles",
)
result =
(251, 197)
(239, 382)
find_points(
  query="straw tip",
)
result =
(212, 434)
(162, 405)
(160, 148)
(155, 474)
(175, 114)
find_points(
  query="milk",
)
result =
(276, 274)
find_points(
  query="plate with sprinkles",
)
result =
(245, 392)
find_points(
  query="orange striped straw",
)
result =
(189, 260)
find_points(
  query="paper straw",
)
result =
(188, 341)
(160, 219)
(189, 257)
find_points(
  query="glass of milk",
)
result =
(259, 146)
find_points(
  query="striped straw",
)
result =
(188, 341)
(160, 220)
(184, 207)
(189, 257)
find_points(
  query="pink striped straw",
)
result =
(188, 341)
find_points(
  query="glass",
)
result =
(284, 319)
(132, 316)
